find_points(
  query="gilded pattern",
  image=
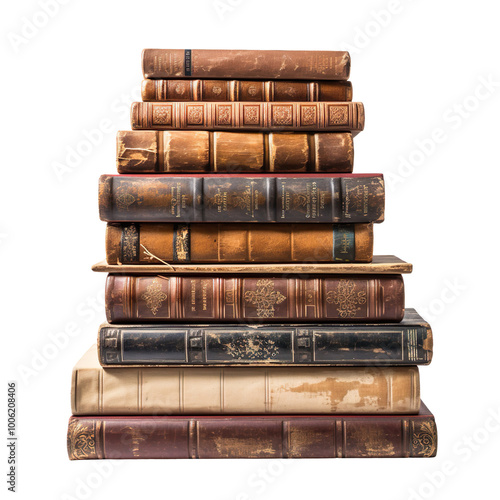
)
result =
(338, 115)
(195, 115)
(424, 442)
(124, 201)
(251, 115)
(154, 296)
(162, 115)
(308, 115)
(347, 298)
(265, 297)
(224, 115)
(81, 440)
(282, 115)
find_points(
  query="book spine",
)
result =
(204, 243)
(269, 390)
(246, 64)
(131, 298)
(186, 151)
(243, 90)
(246, 437)
(243, 116)
(326, 198)
(345, 345)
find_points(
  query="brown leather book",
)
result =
(244, 116)
(265, 298)
(246, 64)
(259, 436)
(227, 198)
(156, 243)
(244, 90)
(239, 391)
(181, 151)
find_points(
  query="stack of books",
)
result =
(246, 314)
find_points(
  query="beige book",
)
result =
(215, 391)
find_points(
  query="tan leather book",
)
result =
(221, 391)
(153, 243)
(245, 90)
(247, 116)
(246, 64)
(186, 151)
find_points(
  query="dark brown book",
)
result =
(290, 198)
(244, 90)
(327, 344)
(266, 436)
(201, 299)
(246, 64)
(181, 151)
(156, 243)
(244, 116)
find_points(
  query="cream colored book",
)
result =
(218, 391)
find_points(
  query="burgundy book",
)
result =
(266, 436)
(266, 298)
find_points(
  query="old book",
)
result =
(242, 390)
(245, 90)
(246, 64)
(264, 298)
(244, 116)
(380, 264)
(339, 198)
(259, 436)
(147, 243)
(345, 344)
(181, 151)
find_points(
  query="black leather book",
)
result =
(406, 343)
(338, 198)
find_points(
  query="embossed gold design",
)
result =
(182, 244)
(124, 201)
(308, 115)
(424, 442)
(129, 243)
(154, 296)
(282, 115)
(195, 115)
(346, 298)
(81, 440)
(338, 115)
(216, 90)
(224, 115)
(179, 89)
(251, 115)
(242, 349)
(264, 298)
(162, 115)
(252, 90)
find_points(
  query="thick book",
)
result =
(245, 90)
(245, 116)
(345, 344)
(264, 298)
(186, 151)
(242, 390)
(149, 243)
(246, 64)
(259, 436)
(291, 198)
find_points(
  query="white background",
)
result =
(417, 65)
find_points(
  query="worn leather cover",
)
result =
(150, 243)
(339, 198)
(244, 90)
(265, 298)
(262, 436)
(244, 116)
(345, 344)
(181, 151)
(242, 390)
(246, 64)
